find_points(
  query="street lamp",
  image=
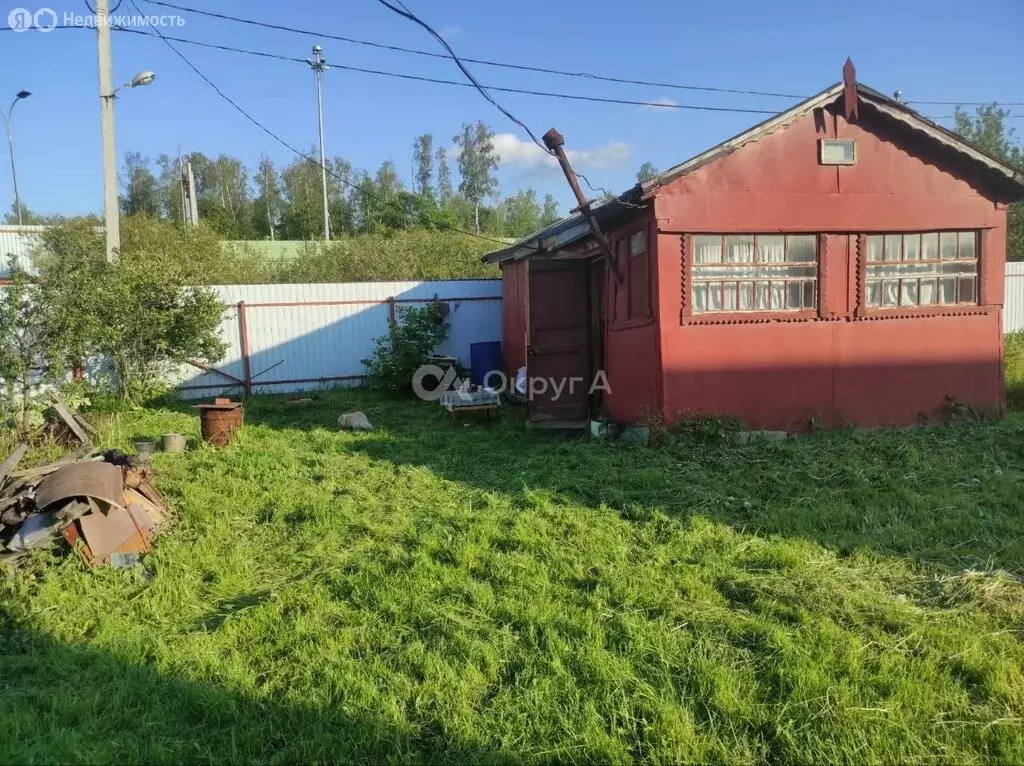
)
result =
(110, 211)
(22, 94)
(138, 81)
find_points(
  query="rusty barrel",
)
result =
(220, 420)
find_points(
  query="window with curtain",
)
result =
(921, 269)
(754, 272)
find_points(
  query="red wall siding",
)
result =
(631, 345)
(631, 364)
(778, 374)
(513, 341)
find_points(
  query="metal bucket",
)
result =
(173, 443)
(219, 421)
(145, 449)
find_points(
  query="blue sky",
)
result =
(929, 49)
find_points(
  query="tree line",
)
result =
(268, 202)
(271, 202)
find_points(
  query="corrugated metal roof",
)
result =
(564, 232)
(18, 241)
(574, 227)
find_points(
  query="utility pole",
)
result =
(319, 64)
(106, 66)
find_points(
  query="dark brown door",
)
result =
(558, 361)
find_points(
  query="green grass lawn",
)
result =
(431, 592)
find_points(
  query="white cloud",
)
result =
(450, 33)
(528, 156)
(662, 104)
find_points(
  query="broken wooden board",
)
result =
(12, 461)
(70, 423)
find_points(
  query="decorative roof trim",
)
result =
(575, 227)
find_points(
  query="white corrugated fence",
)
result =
(1013, 303)
(18, 241)
(301, 337)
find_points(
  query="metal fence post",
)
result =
(243, 332)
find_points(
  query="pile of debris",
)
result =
(103, 505)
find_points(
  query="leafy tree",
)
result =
(423, 165)
(267, 205)
(381, 203)
(168, 189)
(414, 255)
(477, 161)
(144, 314)
(646, 172)
(27, 358)
(28, 217)
(141, 189)
(522, 214)
(444, 176)
(222, 193)
(391, 210)
(988, 130)
(339, 196)
(550, 212)
(302, 203)
(427, 213)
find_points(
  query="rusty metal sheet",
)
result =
(101, 481)
(146, 514)
(106, 533)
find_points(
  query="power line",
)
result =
(241, 110)
(968, 103)
(652, 104)
(483, 62)
(406, 14)
(216, 46)
(457, 83)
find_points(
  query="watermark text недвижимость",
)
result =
(47, 19)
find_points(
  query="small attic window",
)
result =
(837, 151)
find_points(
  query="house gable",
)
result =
(775, 182)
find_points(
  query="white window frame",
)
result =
(935, 269)
(827, 142)
(750, 275)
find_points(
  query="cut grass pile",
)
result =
(430, 592)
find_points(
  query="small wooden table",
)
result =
(456, 402)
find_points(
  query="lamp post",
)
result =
(110, 211)
(22, 94)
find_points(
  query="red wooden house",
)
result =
(842, 261)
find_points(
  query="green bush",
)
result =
(29, 361)
(1013, 365)
(403, 255)
(412, 337)
(144, 314)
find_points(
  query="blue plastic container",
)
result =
(484, 357)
